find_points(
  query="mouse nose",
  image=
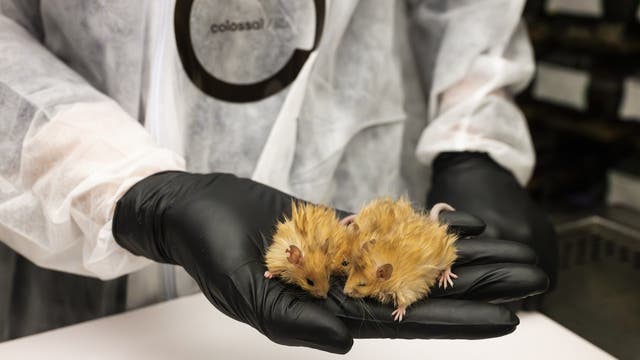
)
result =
(321, 295)
(348, 292)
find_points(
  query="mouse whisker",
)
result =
(361, 303)
(337, 295)
(372, 316)
(368, 310)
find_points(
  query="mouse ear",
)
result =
(325, 246)
(367, 245)
(297, 216)
(348, 220)
(353, 227)
(384, 271)
(294, 255)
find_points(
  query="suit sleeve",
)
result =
(68, 153)
(472, 57)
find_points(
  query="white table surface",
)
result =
(190, 328)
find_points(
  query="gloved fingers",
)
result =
(495, 283)
(296, 322)
(462, 223)
(426, 319)
(289, 316)
(488, 251)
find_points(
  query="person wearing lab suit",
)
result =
(159, 139)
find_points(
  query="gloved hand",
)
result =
(218, 226)
(474, 183)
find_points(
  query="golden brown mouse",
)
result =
(303, 248)
(381, 215)
(399, 254)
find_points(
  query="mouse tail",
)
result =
(435, 211)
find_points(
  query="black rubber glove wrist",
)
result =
(474, 183)
(138, 217)
(218, 227)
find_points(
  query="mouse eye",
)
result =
(345, 263)
(310, 282)
(362, 284)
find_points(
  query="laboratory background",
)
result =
(583, 111)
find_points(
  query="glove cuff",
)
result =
(138, 216)
(447, 160)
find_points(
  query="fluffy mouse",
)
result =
(303, 248)
(398, 253)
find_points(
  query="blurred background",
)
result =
(583, 109)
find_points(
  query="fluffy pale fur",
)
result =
(315, 230)
(417, 248)
(381, 215)
(344, 250)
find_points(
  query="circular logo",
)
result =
(226, 54)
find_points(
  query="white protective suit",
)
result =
(94, 96)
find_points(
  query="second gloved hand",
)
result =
(218, 227)
(474, 183)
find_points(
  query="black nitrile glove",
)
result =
(474, 183)
(218, 227)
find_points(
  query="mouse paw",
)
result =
(268, 274)
(398, 314)
(446, 278)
